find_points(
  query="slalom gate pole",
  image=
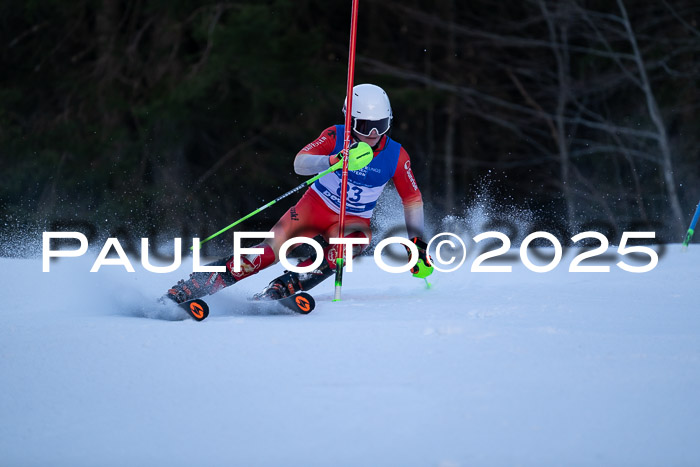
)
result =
(691, 229)
(262, 208)
(340, 260)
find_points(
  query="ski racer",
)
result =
(316, 213)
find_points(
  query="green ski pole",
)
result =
(262, 208)
(691, 229)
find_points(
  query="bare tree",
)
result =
(558, 36)
(450, 169)
(657, 119)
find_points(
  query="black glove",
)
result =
(424, 266)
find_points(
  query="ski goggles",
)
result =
(365, 127)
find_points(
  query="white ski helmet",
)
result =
(371, 110)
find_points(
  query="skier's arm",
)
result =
(415, 223)
(315, 157)
(407, 187)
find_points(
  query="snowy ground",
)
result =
(505, 369)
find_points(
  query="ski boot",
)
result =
(285, 285)
(290, 283)
(200, 284)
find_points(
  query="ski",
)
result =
(300, 302)
(197, 308)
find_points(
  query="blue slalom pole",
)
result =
(691, 229)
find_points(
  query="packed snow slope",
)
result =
(518, 368)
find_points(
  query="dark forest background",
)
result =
(186, 115)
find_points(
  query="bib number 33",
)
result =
(355, 196)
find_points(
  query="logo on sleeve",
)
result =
(409, 174)
(316, 143)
